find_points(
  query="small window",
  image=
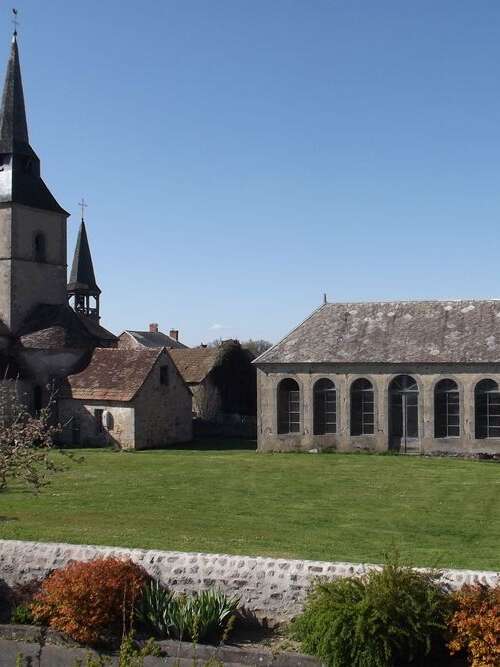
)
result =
(446, 410)
(98, 420)
(288, 407)
(39, 247)
(362, 408)
(164, 375)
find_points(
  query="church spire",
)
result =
(13, 125)
(82, 286)
(20, 180)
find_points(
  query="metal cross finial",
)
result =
(83, 206)
(14, 20)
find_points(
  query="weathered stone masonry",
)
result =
(271, 588)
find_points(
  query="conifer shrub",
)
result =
(389, 617)
(91, 602)
(475, 625)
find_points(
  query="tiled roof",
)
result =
(155, 339)
(112, 375)
(394, 332)
(194, 364)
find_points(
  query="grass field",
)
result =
(441, 512)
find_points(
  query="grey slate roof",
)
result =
(155, 339)
(20, 180)
(82, 277)
(394, 332)
(50, 326)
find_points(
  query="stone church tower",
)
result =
(32, 223)
(42, 339)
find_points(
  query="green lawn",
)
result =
(440, 512)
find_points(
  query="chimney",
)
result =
(174, 333)
(153, 328)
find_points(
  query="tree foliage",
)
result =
(25, 439)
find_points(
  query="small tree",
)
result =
(25, 439)
(256, 347)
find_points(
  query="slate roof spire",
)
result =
(82, 275)
(20, 180)
(82, 283)
(13, 125)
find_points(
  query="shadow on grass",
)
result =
(217, 445)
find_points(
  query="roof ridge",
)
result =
(424, 300)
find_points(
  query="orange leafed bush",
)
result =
(90, 601)
(475, 625)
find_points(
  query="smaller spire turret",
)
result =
(82, 286)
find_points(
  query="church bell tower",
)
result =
(32, 224)
(83, 292)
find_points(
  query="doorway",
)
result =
(403, 415)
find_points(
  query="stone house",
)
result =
(133, 399)
(222, 381)
(412, 377)
(154, 338)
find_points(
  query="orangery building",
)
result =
(412, 377)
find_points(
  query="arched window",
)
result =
(487, 408)
(362, 408)
(39, 247)
(288, 406)
(325, 407)
(446, 409)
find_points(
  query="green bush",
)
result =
(21, 615)
(389, 617)
(205, 616)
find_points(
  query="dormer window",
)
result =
(39, 247)
(28, 165)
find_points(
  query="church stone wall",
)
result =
(26, 283)
(426, 375)
(271, 588)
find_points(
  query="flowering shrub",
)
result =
(90, 602)
(475, 625)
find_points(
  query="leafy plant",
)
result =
(475, 625)
(391, 616)
(22, 615)
(91, 601)
(197, 617)
(153, 610)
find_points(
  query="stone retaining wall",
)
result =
(270, 588)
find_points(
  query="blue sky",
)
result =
(240, 158)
